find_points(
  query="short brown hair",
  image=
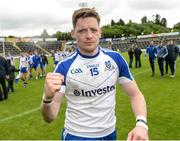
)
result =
(84, 13)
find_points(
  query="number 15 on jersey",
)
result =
(94, 71)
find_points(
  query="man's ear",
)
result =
(72, 34)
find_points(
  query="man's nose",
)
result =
(89, 34)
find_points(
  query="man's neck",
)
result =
(90, 53)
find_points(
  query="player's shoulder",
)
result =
(70, 58)
(64, 65)
(106, 50)
(111, 53)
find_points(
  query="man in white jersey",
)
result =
(31, 63)
(56, 57)
(24, 68)
(87, 78)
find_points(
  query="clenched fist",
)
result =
(53, 84)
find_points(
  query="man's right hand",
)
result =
(52, 84)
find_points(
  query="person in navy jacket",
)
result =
(151, 51)
(4, 74)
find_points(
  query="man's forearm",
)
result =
(137, 99)
(139, 105)
(49, 111)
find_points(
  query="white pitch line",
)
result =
(19, 115)
(35, 109)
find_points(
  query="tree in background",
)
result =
(120, 22)
(63, 35)
(144, 20)
(177, 27)
(120, 28)
(164, 22)
(112, 23)
(156, 19)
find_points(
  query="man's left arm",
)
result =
(140, 131)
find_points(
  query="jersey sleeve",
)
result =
(61, 70)
(125, 75)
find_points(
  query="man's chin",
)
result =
(90, 48)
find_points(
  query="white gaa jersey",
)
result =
(56, 56)
(90, 88)
(23, 62)
(30, 59)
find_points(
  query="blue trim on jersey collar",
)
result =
(88, 56)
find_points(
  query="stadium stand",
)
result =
(120, 44)
(9, 48)
(123, 45)
(50, 45)
(29, 46)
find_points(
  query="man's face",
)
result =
(170, 42)
(22, 54)
(161, 44)
(151, 43)
(87, 33)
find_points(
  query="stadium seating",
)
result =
(28, 46)
(142, 43)
(50, 45)
(9, 48)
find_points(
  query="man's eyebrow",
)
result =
(93, 28)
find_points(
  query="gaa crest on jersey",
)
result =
(108, 66)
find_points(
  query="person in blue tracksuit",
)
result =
(162, 52)
(36, 63)
(44, 62)
(152, 51)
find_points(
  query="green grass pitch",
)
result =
(20, 117)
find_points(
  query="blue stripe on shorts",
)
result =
(67, 136)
